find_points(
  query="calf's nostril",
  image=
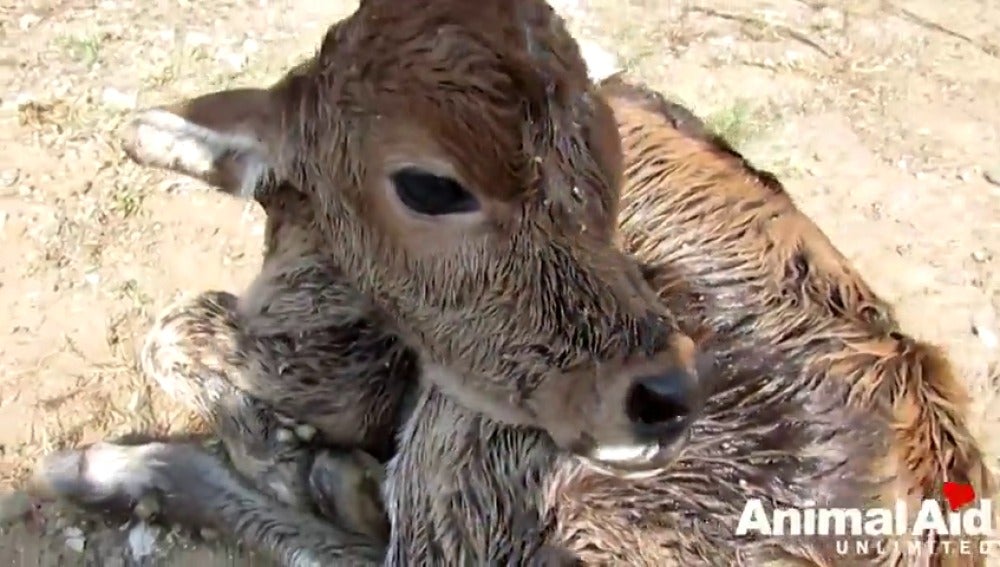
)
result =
(660, 400)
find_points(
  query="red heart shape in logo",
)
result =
(958, 495)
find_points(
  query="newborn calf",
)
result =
(744, 270)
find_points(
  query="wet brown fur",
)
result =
(817, 395)
(802, 295)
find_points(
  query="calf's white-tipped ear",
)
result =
(600, 62)
(227, 139)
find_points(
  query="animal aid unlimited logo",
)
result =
(957, 528)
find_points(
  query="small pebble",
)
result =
(9, 177)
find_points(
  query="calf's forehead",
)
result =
(494, 84)
(503, 48)
(486, 73)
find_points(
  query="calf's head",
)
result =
(466, 177)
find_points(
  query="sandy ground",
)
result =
(882, 117)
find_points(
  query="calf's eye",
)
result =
(430, 194)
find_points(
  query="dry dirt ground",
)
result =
(882, 117)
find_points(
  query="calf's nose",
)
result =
(662, 406)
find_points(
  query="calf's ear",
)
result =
(228, 139)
